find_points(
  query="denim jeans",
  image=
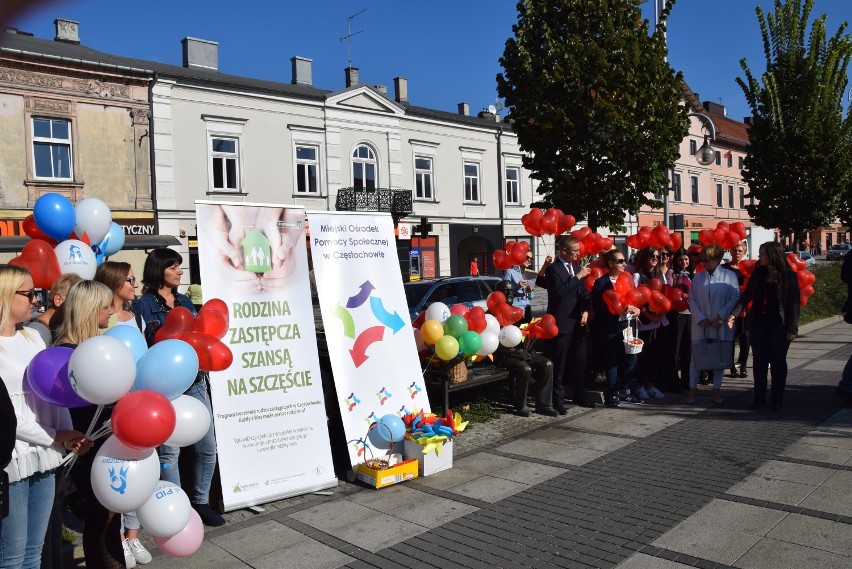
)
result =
(205, 453)
(22, 533)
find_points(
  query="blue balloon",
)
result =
(55, 216)
(168, 367)
(131, 337)
(114, 240)
(379, 436)
(396, 426)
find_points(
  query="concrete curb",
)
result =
(817, 324)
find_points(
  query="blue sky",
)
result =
(448, 50)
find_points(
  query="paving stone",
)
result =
(774, 554)
(332, 515)
(817, 453)
(258, 540)
(829, 500)
(834, 537)
(307, 554)
(772, 490)
(377, 531)
(553, 452)
(791, 472)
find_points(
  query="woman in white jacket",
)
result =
(43, 433)
(714, 294)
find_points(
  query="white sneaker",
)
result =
(656, 393)
(129, 560)
(140, 554)
(643, 395)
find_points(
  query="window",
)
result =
(742, 197)
(731, 197)
(730, 157)
(719, 201)
(513, 178)
(226, 158)
(307, 170)
(693, 147)
(364, 168)
(423, 178)
(741, 162)
(693, 180)
(52, 148)
(676, 187)
(718, 158)
(471, 182)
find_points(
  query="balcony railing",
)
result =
(395, 201)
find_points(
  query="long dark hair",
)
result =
(155, 267)
(644, 259)
(776, 266)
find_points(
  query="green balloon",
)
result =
(455, 326)
(470, 342)
(447, 348)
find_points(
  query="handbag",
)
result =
(713, 353)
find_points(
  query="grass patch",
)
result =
(829, 294)
(475, 405)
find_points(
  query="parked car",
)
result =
(808, 258)
(470, 291)
(837, 252)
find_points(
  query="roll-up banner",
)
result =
(370, 339)
(268, 408)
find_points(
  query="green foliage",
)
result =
(594, 103)
(829, 294)
(799, 143)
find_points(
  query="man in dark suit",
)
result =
(568, 302)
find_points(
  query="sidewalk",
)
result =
(662, 485)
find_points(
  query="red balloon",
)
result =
(212, 323)
(594, 274)
(494, 301)
(739, 229)
(550, 221)
(143, 419)
(634, 241)
(459, 309)
(502, 260)
(644, 294)
(566, 222)
(532, 221)
(623, 283)
(706, 236)
(31, 229)
(581, 233)
(635, 297)
(655, 285)
(179, 321)
(613, 302)
(216, 305)
(519, 251)
(723, 225)
(659, 303)
(806, 278)
(221, 357)
(39, 258)
(211, 356)
(747, 266)
(547, 327)
(476, 319)
(418, 322)
(795, 262)
(513, 313)
(677, 241)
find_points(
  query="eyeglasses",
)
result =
(619, 261)
(667, 254)
(529, 258)
(654, 257)
(131, 280)
(30, 294)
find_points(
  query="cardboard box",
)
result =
(405, 470)
(432, 462)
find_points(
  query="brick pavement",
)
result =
(662, 485)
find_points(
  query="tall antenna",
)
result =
(349, 33)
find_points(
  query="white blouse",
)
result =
(38, 420)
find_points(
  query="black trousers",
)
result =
(683, 349)
(524, 366)
(567, 351)
(769, 348)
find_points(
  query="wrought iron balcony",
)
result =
(395, 201)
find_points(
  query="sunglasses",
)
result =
(667, 254)
(619, 261)
(529, 258)
(131, 280)
(30, 294)
(654, 257)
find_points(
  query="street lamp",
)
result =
(705, 155)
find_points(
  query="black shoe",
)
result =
(547, 411)
(561, 410)
(613, 401)
(523, 412)
(743, 373)
(587, 404)
(733, 372)
(208, 515)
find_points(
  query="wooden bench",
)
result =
(476, 375)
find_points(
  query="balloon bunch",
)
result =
(660, 298)
(803, 275)
(63, 236)
(457, 331)
(592, 243)
(726, 235)
(550, 222)
(432, 431)
(515, 253)
(544, 328)
(659, 237)
(147, 386)
(203, 333)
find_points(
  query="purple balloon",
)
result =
(47, 376)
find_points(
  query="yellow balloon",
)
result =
(432, 331)
(447, 348)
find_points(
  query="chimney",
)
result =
(383, 89)
(464, 109)
(67, 30)
(400, 87)
(747, 120)
(301, 71)
(351, 76)
(200, 54)
(715, 108)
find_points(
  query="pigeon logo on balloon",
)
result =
(119, 483)
(74, 255)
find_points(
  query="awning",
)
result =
(15, 243)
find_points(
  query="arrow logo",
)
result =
(361, 297)
(365, 338)
(346, 319)
(393, 321)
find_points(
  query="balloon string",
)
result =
(71, 459)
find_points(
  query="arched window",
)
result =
(364, 168)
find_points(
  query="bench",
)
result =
(476, 376)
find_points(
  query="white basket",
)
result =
(632, 343)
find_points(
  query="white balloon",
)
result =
(102, 370)
(123, 478)
(167, 510)
(193, 422)
(93, 218)
(76, 257)
(437, 311)
(489, 343)
(491, 324)
(510, 336)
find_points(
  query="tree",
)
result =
(595, 105)
(798, 155)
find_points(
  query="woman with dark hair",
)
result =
(652, 363)
(682, 275)
(772, 321)
(740, 332)
(161, 277)
(607, 331)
